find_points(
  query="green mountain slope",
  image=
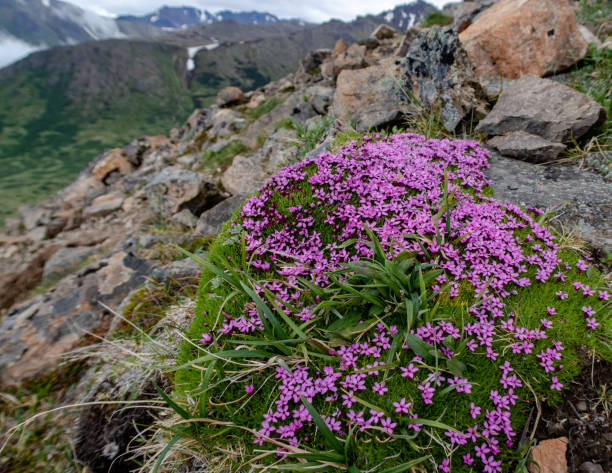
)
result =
(61, 107)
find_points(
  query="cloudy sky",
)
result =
(311, 10)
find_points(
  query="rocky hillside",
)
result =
(61, 106)
(96, 277)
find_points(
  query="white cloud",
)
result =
(314, 10)
(13, 49)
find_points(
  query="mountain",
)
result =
(61, 106)
(27, 25)
(32, 25)
(184, 17)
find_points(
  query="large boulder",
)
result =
(175, 189)
(544, 108)
(371, 97)
(441, 77)
(517, 37)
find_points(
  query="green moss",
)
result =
(263, 108)
(436, 18)
(223, 158)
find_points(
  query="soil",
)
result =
(584, 417)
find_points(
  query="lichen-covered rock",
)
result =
(517, 37)
(544, 108)
(441, 77)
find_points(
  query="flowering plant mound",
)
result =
(375, 308)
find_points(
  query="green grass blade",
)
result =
(320, 423)
(406, 466)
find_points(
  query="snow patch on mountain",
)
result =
(13, 49)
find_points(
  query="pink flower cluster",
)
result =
(394, 186)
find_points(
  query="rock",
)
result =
(35, 334)
(184, 218)
(544, 108)
(319, 97)
(548, 187)
(38, 234)
(369, 43)
(245, 176)
(15, 283)
(311, 63)
(527, 147)
(409, 36)
(383, 32)
(441, 76)
(588, 36)
(180, 271)
(590, 467)
(66, 260)
(352, 58)
(211, 221)
(230, 96)
(517, 37)
(549, 456)
(225, 123)
(33, 216)
(113, 162)
(104, 205)
(339, 47)
(464, 13)
(370, 97)
(175, 189)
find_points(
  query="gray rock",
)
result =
(544, 108)
(175, 189)
(147, 240)
(33, 216)
(65, 260)
(440, 74)
(526, 147)
(246, 175)
(383, 32)
(319, 97)
(181, 270)
(588, 207)
(184, 218)
(590, 467)
(211, 221)
(104, 205)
